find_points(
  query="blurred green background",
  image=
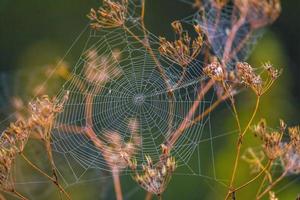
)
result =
(35, 35)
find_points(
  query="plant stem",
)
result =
(117, 184)
(240, 139)
(254, 178)
(180, 130)
(149, 196)
(20, 196)
(272, 185)
(46, 175)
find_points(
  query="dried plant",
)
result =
(111, 15)
(101, 69)
(225, 72)
(155, 177)
(183, 50)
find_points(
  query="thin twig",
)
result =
(186, 121)
(239, 147)
(47, 176)
(272, 185)
(149, 196)
(117, 184)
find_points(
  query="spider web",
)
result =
(126, 85)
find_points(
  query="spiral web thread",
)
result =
(126, 85)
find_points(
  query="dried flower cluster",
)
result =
(155, 177)
(249, 78)
(183, 50)
(215, 71)
(43, 112)
(111, 15)
(15, 137)
(101, 69)
(117, 152)
(254, 159)
(275, 148)
(12, 142)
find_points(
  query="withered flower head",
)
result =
(215, 71)
(111, 15)
(254, 159)
(272, 72)
(259, 12)
(15, 136)
(118, 153)
(6, 161)
(249, 78)
(272, 140)
(183, 50)
(101, 69)
(43, 111)
(12, 142)
(155, 177)
(291, 159)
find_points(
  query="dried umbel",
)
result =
(215, 71)
(291, 159)
(12, 142)
(254, 159)
(249, 78)
(6, 161)
(155, 177)
(272, 144)
(119, 153)
(15, 137)
(111, 15)
(43, 111)
(101, 69)
(259, 12)
(183, 50)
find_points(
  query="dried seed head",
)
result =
(291, 159)
(111, 15)
(183, 50)
(272, 140)
(272, 72)
(15, 137)
(43, 112)
(254, 159)
(6, 161)
(215, 71)
(247, 77)
(119, 154)
(155, 178)
(101, 69)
